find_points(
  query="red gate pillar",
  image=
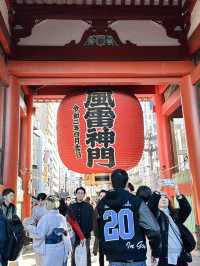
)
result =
(10, 169)
(165, 149)
(27, 176)
(190, 106)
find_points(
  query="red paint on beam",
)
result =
(62, 90)
(92, 69)
(98, 81)
(85, 12)
(172, 103)
(77, 52)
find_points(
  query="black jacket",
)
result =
(178, 215)
(123, 220)
(3, 238)
(83, 212)
(9, 211)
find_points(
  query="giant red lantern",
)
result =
(99, 131)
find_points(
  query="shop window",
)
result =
(2, 129)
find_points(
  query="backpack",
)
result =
(16, 236)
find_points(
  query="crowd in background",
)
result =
(120, 219)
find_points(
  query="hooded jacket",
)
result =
(179, 216)
(122, 223)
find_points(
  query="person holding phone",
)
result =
(173, 249)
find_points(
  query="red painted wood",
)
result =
(29, 12)
(62, 90)
(132, 2)
(94, 70)
(115, 81)
(8, 3)
(164, 138)
(27, 176)
(10, 169)
(124, 53)
(3, 71)
(4, 35)
(190, 106)
(196, 74)
(190, 4)
(172, 103)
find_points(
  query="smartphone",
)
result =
(167, 182)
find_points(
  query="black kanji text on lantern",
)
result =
(100, 135)
(76, 131)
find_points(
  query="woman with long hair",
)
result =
(173, 248)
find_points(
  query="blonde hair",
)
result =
(52, 202)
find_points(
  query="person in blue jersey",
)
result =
(123, 221)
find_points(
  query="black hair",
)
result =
(66, 210)
(63, 207)
(131, 187)
(119, 178)
(41, 196)
(7, 191)
(144, 192)
(80, 188)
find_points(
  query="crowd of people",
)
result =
(124, 224)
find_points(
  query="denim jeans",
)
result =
(141, 263)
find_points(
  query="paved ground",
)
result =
(29, 260)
